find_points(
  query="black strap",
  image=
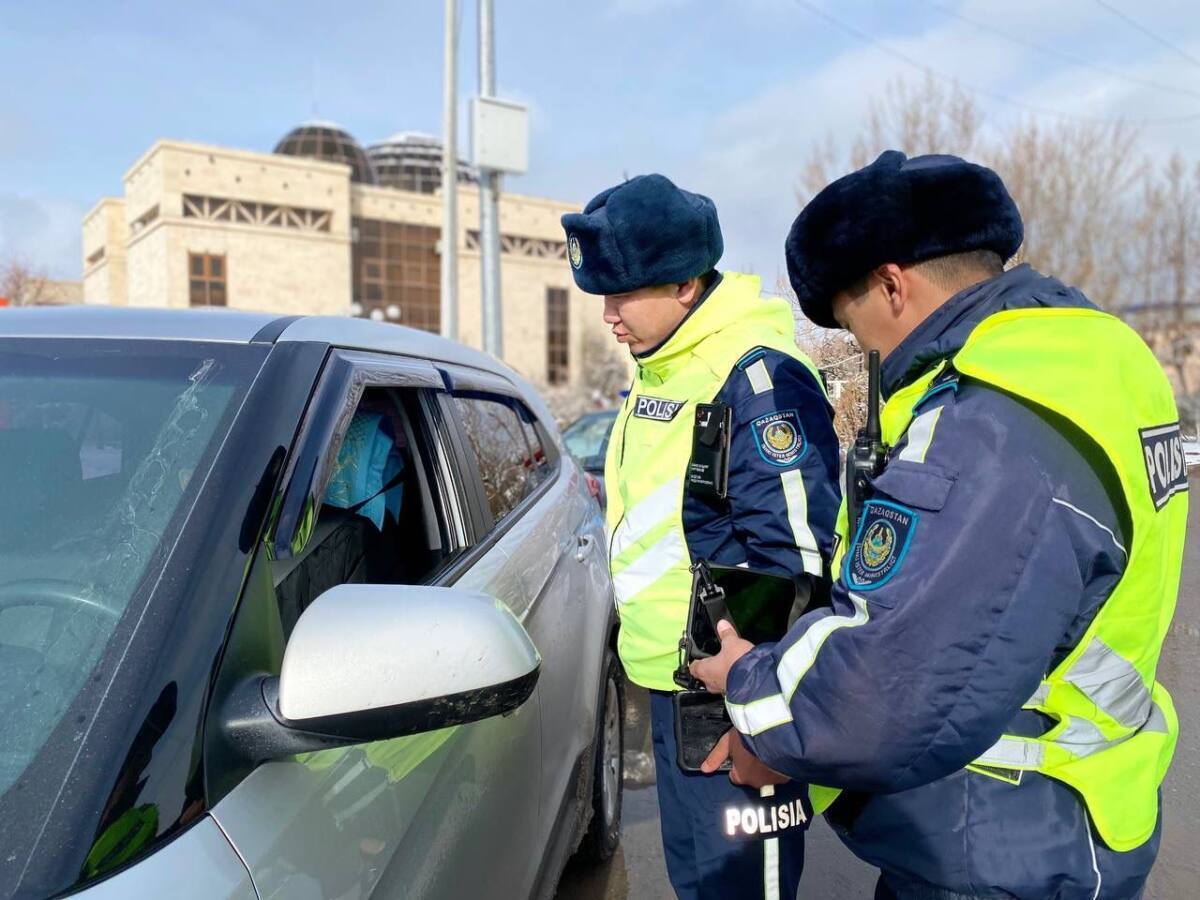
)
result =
(396, 479)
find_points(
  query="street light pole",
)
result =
(489, 191)
(449, 306)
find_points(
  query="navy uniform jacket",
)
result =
(758, 524)
(1014, 541)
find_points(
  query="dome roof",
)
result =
(411, 161)
(326, 141)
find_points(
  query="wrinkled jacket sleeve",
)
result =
(780, 511)
(913, 674)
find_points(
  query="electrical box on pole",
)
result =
(499, 135)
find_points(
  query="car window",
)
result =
(377, 522)
(539, 464)
(499, 439)
(97, 453)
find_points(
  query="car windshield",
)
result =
(587, 438)
(101, 444)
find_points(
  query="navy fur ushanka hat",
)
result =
(641, 233)
(896, 210)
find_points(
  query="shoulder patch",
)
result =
(880, 546)
(780, 438)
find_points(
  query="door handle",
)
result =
(584, 547)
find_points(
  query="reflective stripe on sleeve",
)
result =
(799, 657)
(769, 712)
(758, 716)
(920, 435)
(760, 378)
(796, 498)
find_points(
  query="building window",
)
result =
(557, 341)
(206, 279)
(397, 273)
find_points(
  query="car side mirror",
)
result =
(374, 662)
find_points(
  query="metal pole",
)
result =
(449, 307)
(489, 192)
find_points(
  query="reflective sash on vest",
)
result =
(647, 460)
(1116, 726)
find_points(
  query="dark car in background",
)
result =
(586, 439)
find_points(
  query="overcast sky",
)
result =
(724, 96)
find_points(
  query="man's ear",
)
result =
(688, 292)
(895, 286)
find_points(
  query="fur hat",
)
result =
(896, 210)
(643, 232)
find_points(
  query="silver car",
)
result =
(292, 607)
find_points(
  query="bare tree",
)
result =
(20, 285)
(1164, 245)
(1076, 186)
(840, 361)
(1075, 183)
(1097, 214)
(927, 118)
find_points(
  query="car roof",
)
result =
(233, 326)
(363, 334)
(242, 327)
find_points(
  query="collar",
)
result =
(712, 286)
(943, 333)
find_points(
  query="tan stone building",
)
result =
(322, 226)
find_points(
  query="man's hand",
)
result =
(748, 770)
(714, 670)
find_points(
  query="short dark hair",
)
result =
(952, 273)
(960, 270)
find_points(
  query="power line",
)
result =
(1059, 54)
(860, 34)
(1158, 39)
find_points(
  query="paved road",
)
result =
(832, 873)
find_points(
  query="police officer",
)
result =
(699, 335)
(984, 685)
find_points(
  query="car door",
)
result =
(556, 548)
(451, 813)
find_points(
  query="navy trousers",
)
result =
(702, 860)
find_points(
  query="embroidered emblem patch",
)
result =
(574, 252)
(1165, 465)
(881, 544)
(656, 408)
(780, 438)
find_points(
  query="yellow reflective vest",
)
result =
(647, 461)
(1116, 726)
